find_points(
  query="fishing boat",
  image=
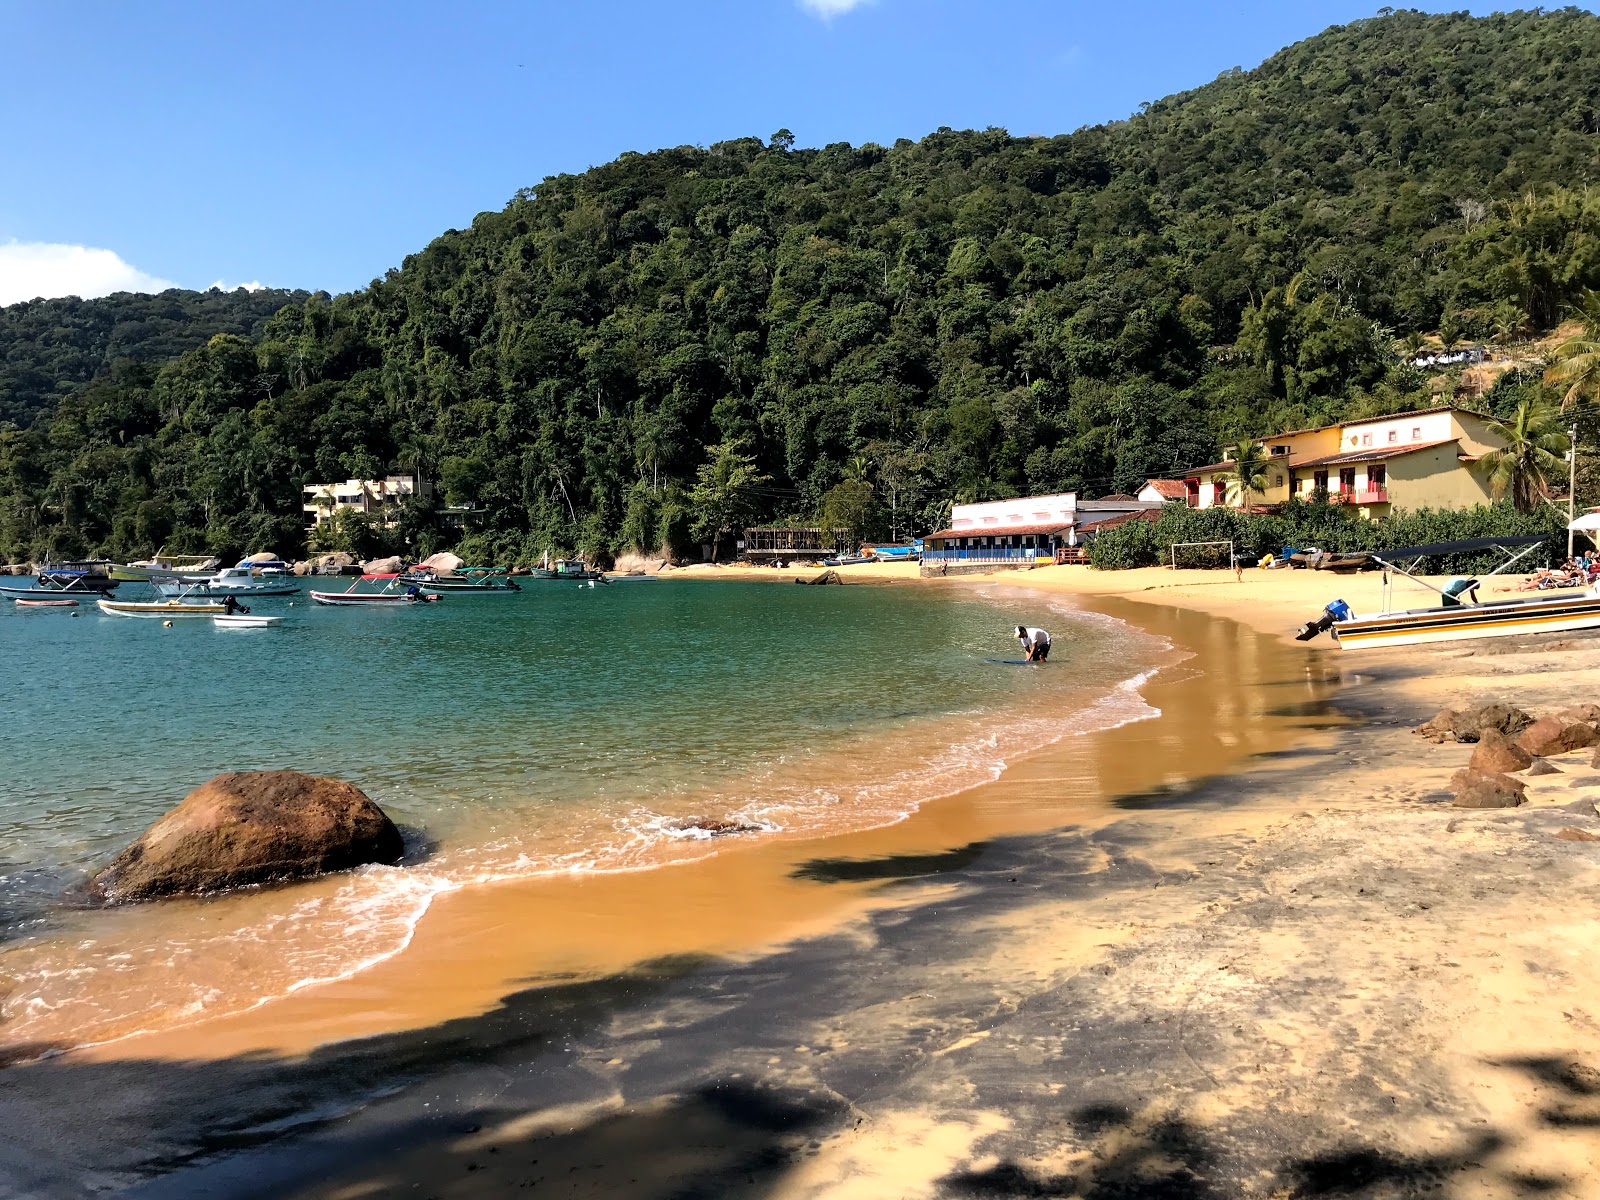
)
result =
(231, 581)
(847, 560)
(160, 608)
(245, 620)
(48, 602)
(1455, 619)
(79, 578)
(466, 580)
(386, 596)
(180, 566)
(567, 568)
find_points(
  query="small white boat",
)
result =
(159, 608)
(50, 602)
(245, 621)
(385, 597)
(232, 581)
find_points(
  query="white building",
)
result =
(1023, 532)
(379, 498)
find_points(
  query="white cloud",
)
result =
(828, 9)
(29, 270)
(255, 285)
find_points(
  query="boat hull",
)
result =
(50, 589)
(164, 608)
(357, 600)
(53, 602)
(241, 590)
(245, 621)
(1563, 614)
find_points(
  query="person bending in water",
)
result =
(1035, 642)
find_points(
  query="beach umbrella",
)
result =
(1588, 523)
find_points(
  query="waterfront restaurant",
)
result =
(1028, 531)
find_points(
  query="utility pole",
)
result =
(1572, 483)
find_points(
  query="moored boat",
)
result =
(48, 602)
(385, 597)
(79, 578)
(159, 608)
(232, 581)
(1455, 619)
(465, 580)
(244, 620)
(180, 566)
(567, 568)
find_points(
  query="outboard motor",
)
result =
(1333, 613)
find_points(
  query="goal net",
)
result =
(1193, 556)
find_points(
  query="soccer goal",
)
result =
(1200, 556)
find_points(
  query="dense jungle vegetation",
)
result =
(50, 347)
(673, 343)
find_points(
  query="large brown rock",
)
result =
(1466, 725)
(1486, 789)
(1552, 735)
(248, 827)
(1588, 714)
(1498, 753)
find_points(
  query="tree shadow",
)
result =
(889, 867)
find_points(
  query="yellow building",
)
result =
(379, 498)
(1421, 459)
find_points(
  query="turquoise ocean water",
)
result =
(564, 728)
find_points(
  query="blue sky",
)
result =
(314, 145)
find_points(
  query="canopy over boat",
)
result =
(1470, 545)
(383, 575)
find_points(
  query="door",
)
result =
(1347, 480)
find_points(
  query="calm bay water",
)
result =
(564, 728)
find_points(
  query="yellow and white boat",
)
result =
(160, 608)
(1454, 620)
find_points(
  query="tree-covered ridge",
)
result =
(968, 316)
(49, 347)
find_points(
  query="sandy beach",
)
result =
(1245, 948)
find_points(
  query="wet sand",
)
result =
(1242, 949)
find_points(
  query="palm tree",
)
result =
(1577, 359)
(1249, 474)
(1536, 445)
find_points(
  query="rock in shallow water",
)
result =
(249, 827)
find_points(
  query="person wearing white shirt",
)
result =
(1035, 642)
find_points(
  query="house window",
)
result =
(1394, 435)
(1366, 439)
(1319, 481)
(1377, 479)
(1277, 481)
(1347, 479)
(1416, 433)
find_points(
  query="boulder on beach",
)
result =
(336, 563)
(1573, 834)
(1543, 766)
(1466, 725)
(261, 556)
(392, 565)
(1552, 735)
(301, 568)
(1486, 789)
(827, 577)
(1588, 714)
(1497, 753)
(443, 561)
(251, 827)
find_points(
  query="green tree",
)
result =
(1576, 365)
(1536, 444)
(1249, 475)
(848, 509)
(726, 492)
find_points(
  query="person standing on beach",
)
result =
(1035, 642)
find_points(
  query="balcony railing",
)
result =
(1372, 496)
(986, 554)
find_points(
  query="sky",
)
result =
(316, 144)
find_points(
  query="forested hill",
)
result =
(674, 342)
(48, 347)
